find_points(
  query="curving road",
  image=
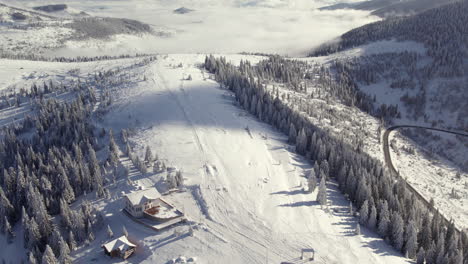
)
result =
(391, 167)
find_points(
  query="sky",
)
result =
(220, 26)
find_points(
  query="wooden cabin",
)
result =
(120, 247)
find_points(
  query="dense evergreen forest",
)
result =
(384, 204)
(442, 30)
(430, 84)
(49, 160)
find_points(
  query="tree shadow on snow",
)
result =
(301, 203)
(293, 192)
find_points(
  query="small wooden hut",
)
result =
(119, 247)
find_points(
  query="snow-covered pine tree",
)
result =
(8, 231)
(411, 243)
(179, 179)
(31, 258)
(357, 232)
(64, 252)
(48, 257)
(148, 155)
(124, 230)
(71, 241)
(322, 192)
(364, 213)
(311, 181)
(425, 235)
(301, 142)
(421, 257)
(397, 231)
(292, 134)
(440, 249)
(384, 219)
(110, 234)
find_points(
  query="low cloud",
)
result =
(273, 26)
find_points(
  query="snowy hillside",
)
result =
(25, 32)
(245, 189)
(154, 131)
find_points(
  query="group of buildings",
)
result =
(148, 208)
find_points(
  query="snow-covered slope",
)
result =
(244, 197)
(249, 204)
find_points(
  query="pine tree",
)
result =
(110, 234)
(54, 241)
(67, 191)
(71, 241)
(411, 239)
(65, 212)
(34, 235)
(179, 179)
(24, 223)
(113, 156)
(458, 258)
(64, 257)
(301, 142)
(384, 219)
(124, 230)
(311, 181)
(372, 221)
(397, 231)
(364, 213)
(322, 193)
(95, 171)
(31, 258)
(8, 231)
(431, 254)
(421, 257)
(6, 208)
(358, 230)
(48, 257)
(148, 155)
(292, 134)
(325, 168)
(425, 235)
(440, 249)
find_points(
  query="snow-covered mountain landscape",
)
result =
(233, 131)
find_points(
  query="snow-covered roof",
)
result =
(120, 243)
(141, 197)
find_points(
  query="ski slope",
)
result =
(244, 183)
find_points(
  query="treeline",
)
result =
(36, 92)
(385, 205)
(442, 30)
(34, 57)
